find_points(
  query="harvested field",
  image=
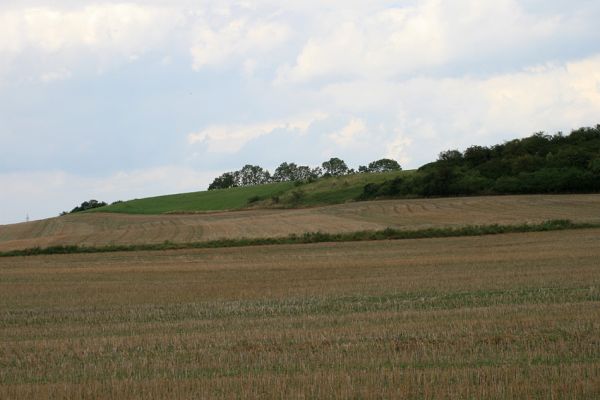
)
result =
(98, 229)
(508, 316)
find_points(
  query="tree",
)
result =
(286, 172)
(251, 175)
(335, 167)
(477, 155)
(88, 205)
(224, 181)
(306, 174)
(296, 173)
(450, 156)
(383, 165)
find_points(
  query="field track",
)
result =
(98, 229)
(502, 317)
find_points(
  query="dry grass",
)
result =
(96, 229)
(509, 316)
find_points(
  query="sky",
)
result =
(113, 100)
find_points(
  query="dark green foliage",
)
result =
(383, 165)
(536, 164)
(450, 157)
(285, 172)
(335, 167)
(249, 175)
(297, 196)
(254, 199)
(477, 155)
(316, 237)
(252, 175)
(224, 181)
(87, 205)
(594, 166)
(294, 173)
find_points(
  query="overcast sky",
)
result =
(117, 100)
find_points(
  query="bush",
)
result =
(297, 196)
(88, 205)
(254, 199)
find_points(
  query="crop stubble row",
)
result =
(505, 316)
(97, 229)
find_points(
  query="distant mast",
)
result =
(27, 218)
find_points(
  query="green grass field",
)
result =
(214, 200)
(333, 190)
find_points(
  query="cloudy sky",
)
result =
(117, 100)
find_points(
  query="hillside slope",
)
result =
(96, 229)
(213, 200)
(332, 190)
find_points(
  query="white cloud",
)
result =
(417, 39)
(59, 75)
(238, 39)
(423, 76)
(101, 34)
(304, 41)
(231, 138)
(128, 28)
(399, 149)
(351, 134)
(109, 34)
(423, 116)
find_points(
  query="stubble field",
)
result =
(506, 316)
(99, 229)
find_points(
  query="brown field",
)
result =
(501, 317)
(96, 229)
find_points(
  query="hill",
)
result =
(212, 200)
(330, 190)
(98, 229)
(539, 163)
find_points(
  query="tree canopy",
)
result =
(86, 205)
(291, 172)
(539, 163)
(335, 167)
(382, 165)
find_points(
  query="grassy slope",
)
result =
(214, 200)
(333, 190)
(336, 190)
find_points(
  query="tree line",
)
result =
(540, 163)
(250, 175)
(86, 205)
